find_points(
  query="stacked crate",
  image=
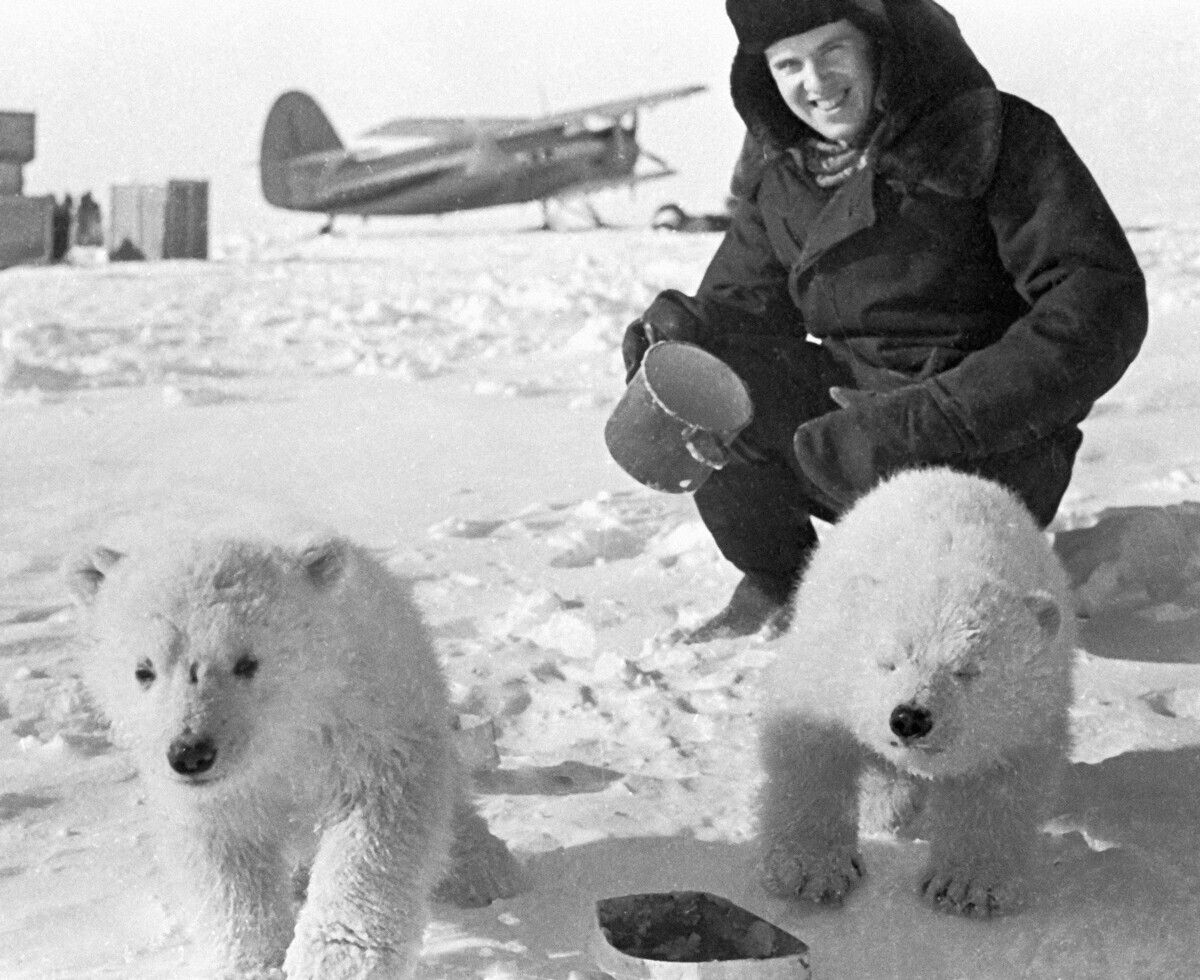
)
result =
(186, 235)
(25, 222)
(25, 229)
(16, 149)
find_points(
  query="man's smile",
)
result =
(830, 103)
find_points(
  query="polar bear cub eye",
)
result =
(144, 673)
(967, 672)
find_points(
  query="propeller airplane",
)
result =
(411, 166)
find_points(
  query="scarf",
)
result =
(832, 164)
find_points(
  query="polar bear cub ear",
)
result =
(86, 572)
(1045, 610)
(323, 558)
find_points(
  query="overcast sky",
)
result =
(144, 90)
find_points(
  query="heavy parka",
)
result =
(970, 277)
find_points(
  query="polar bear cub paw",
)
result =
(482, 869)
(971, 892)
(346, 961)
(825, 877)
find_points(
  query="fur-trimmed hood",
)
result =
(925, 64)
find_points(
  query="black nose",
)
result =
(191, 756)
(910, 721)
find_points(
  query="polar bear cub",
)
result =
(933, 635)
(284, 703)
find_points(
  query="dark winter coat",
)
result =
(971, 275)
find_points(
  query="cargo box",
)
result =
(12, 179)
(16, 136)
(136, 221)
(186, 235)
(25, 224)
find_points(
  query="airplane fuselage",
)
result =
(473, 174)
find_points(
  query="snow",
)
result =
(441, 397)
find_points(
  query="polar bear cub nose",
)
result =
(191, 755)
(911, 721)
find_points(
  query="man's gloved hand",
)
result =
(672, 316)
(639, 336)
(843, 453)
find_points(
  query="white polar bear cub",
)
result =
(933, 632)
(285, 705)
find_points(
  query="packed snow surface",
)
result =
(441, 396)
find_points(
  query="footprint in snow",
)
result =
(458, 527)
(12, 805)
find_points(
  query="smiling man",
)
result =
(919, 270)
(826, 76)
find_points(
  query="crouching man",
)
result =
(919, 270)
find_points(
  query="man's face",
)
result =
(827, 78)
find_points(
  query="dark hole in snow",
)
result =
(690, 927)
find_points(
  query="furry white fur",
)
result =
(932, 635)
(284, 703)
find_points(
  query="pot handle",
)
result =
(705, 447)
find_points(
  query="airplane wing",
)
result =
(603, 110)
(505, 128)
(440, 128)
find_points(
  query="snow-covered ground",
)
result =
(441, 397)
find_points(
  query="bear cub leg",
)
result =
(247, 902)
(808, 811)
(481, 868)
(982, 830)
(365, 910)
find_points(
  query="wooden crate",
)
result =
(136, 221)
(25, 228)
(186, 230)
(12, 179)
(16, 136)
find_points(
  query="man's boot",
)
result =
(759, 603)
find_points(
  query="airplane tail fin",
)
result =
(295, 127)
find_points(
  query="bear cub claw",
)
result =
(332, 960)
(824, 877)
(960, 893)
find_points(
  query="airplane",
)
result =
(437, 165)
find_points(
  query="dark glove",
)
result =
(672, 316)
(843, 454)
(637, 340)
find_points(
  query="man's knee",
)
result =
(1038, 474)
